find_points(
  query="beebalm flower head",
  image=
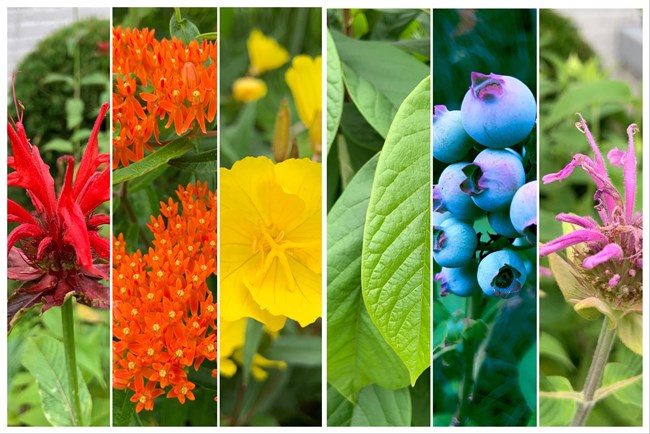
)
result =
(164, 314)
(271, 241)
(265, 53)
(248, 89)
(304, 78)
(603, 270)
(56, 249)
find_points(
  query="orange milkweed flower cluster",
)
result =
(164, 315)
(159, 80)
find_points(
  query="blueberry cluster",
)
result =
(484, 177)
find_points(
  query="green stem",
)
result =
(177, 12)
(469, 354)
(595, 375)
(67, 319)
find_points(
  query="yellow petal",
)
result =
(265, 53)
(304, 78)
(248, 89)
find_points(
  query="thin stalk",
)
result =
(239, 403)
(595, 375)
(67, 319)
(469, 355)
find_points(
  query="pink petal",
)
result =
(575, 237)
(598, 157)
(545, 272)
(566, 171)
(614, 280)
(609, 252)
(616, 157)
(585, 222)
(629, 173)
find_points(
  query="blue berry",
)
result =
(454, 243)
(450, 142)
(501, 274)
(447, 195)
(498, 111)
(500, 222)
(459, 281)
(493, 178)
(523, 211)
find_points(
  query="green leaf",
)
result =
(183, 28)
(205, 162)
(395, 273)
(145, 180)
(296, 350)
(571, 289)
(57, 145)
(54, 77)
(553, 349)
(378, 77)
(357, 354)
(254, 333)
(210, 36)
(583, 96)
(334, 90)
(624, 381)
(123, 409)
(339, 409)
(44, 358)
(152, 161)
(380, 407)
(74, 110)
(528, 376)
(557, 401)
(94, 78)
(630, 330)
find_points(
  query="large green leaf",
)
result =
(204, 162)
(528, 376)
(151, 162)
(334, 90)
(395, 272)
(557, 401)
(552, 348)
(123, 409)
(357, 354)
(624, 381)
(380, 407)
(339, 409)
(44, 358)
(378, 77)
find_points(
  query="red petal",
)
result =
(58, 296)
(90, 292)
(19, 269)
(17, 213)
(23, 231)
(48, 282)
(89, 162)
(31, 172)
(96, 191)
(42, 246)
(74, 222)
(101, 245)
(98, 220)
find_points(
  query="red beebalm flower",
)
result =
(56, 248)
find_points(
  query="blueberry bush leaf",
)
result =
(381, 407)
(395, 272)
(359, 355)
(334, 90)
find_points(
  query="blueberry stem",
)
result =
(595, 375)
(474, 310)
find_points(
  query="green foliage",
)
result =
(377, 356)
(205, 19)
(573, 80)
(45, 83)
(38, 383)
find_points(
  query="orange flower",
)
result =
(159, 80)
(164, 315)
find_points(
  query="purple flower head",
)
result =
(607, 258)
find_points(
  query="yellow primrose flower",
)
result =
(271, 241)
(265, 53)
(233, 335)
(248, 89)
(305, 79)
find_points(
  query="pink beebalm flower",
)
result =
(604, 259)
(56, 249)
